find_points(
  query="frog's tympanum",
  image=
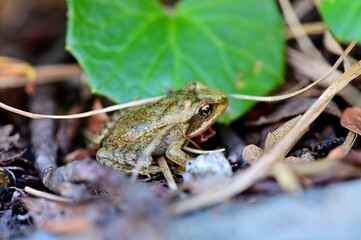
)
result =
(171, 121)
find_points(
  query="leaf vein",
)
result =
(161, 50)
(131, 40)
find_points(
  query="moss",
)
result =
(4, 179)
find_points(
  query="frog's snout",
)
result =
(223, 99)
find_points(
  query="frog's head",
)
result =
(207, 105)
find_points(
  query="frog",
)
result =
(167, 125)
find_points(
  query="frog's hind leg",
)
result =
(114, 158)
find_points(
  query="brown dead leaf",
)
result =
(353, 157)
(351, 119)
(96, 122)
(80, 154)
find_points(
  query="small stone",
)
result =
(213, 165)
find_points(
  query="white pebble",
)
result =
(205, 166)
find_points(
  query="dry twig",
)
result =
(166, 172)
(46, 195)
(44, 74)
(296, 28)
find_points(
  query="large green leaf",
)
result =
(140, 48)
(343, 17)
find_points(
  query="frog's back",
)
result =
(144, 122)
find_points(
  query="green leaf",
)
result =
(343, 18)
(140, 48)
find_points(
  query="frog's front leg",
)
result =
(114, 158)
(175, 154)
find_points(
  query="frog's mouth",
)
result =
(204, 136)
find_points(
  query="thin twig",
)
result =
(309, 28)
(79, 115)
(302, 7)
(166, 172)
(44, 74)
(49, 196)
(296, 28)
(349, 141)
(198, 151)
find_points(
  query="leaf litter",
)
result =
(85, 197)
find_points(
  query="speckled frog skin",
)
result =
(172, 120)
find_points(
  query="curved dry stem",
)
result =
(49, 196)
(79, 115)
(198, 151)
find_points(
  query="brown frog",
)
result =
(167, 125)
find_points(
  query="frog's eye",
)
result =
(205, 111)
